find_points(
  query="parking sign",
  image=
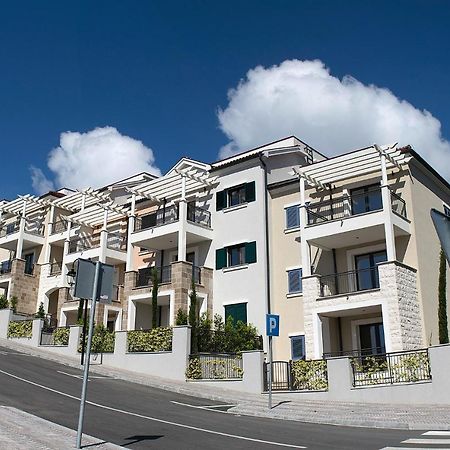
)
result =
(272, 325)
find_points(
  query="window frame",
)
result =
(288, 272)
(241, 195)
(242, 260)
(446, 210)
(294, 338)
(286, 225)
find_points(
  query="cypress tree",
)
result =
(155, 287)
(193, 319)
(442, 310)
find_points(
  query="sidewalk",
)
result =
(22, 431)
(287, 406)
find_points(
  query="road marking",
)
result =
(413, 448)
(426, 441)
(154, 419)
(206, 408)
(80, 377)
(436, 433)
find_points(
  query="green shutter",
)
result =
(237, 311)
(250, 252)
(221, 200)
(221, 258)
(250, 192)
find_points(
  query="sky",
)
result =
(92, 91)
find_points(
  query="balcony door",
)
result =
(366, 270)
(366, 199)
(371, 337)
(29, 263)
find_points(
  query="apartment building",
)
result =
(342, 248)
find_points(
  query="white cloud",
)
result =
(332, 115)
(41, 184)
(94, 159)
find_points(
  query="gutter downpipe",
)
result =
(266, 224)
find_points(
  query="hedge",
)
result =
(20, 329)
(154, 340)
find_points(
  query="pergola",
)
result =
(176, 185)
(80, 200)
(362, 162)
(98, 214)
(24, 205)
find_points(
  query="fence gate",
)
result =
(281, 376)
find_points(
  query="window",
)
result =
(236, 195)
(236, 255)
(29, 263)
(366, 199)
(238, 312)
(295, 281)
(298, 347)
(292, 217)
(446, 210)
(367, 271)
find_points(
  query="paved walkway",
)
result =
(22, 431)
(285, 406)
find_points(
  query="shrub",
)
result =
(3, 302)
(194, 369)
(22, 329)
(154, 340)
(310, 375)
(61, 336)
(182, 318)
(40, 314)
(103, 340)
(14, 300)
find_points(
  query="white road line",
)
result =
(154, 419)
(91, 377)
(206, 408)
(427, 441)
(436, 433)
(413, 448)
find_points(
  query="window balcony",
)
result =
(144, 276)
(59, 227)
(349, 282)
(33, 234)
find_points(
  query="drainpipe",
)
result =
(266, 225)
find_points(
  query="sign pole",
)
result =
(88, 353)
(270, 372)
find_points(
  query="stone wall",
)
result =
(25, 287)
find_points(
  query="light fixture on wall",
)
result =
(71, 274)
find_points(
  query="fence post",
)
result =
(74, 340)
(340, 378)
(5, 317)
(253, 366)
(36, 332)
(181, 349)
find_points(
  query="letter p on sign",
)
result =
(272, 325)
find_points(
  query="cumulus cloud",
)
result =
(41, 184)
(95, 158)
(332, 115)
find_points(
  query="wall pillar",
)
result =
(182, 218)
(306, 256)
(103, 238)
(131, 224)
(313, 335)
(387, 212)
(49, 232)
(65, 253)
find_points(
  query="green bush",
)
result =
(155, 340)
(310, 375)
(3, 302)
(22, 329)
(61, 336)
(194, 369)
(14, 300)
(103, 340)
(182, 318)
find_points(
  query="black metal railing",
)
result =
(116, 241)
(296, 375)
(398, 205)
(344, 206)
(390, 368)
(9, 228)
(357, 353)
(83, 243)
(347, 282)
(197, 274)
(199, 215)
(59, 226)
(216, 366)
(34, 227)
(157, 218)
(144, 276)
(5, 267)
(55, 268)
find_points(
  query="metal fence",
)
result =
(5, 267)
(216, 366)
(59, 226)
(9, 228)
(83, 243)
(116, 241)
(390, 368)
(56, 268)
(34, 227)
(296, 375)
(157, 218)
(199, 215)
(144, 276)
(351, 281)
(398, 205)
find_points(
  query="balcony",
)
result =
(349, 282)
(33, 234)
(55, 268)
(59, 227)
(144, 276)
(353, 219)
(159, 230)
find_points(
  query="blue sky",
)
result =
(159, 71)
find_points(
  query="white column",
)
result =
(131, 221)
(49, 232)
(306, 260)
(387, 212)
(65, 253)
(23, 219)
(347, 203)
(103, 238)
(182, 218)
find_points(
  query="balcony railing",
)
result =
(5, 267)
(55, 268)
(9, 228)
(81, 244)
(144, 276)
(358, 353)
(116, 241)
(156, 219)
(398, 205)
(59, 226)
(199, 215)
(34, 227)
(348, 282)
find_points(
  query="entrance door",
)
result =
(371, 337)
(367, 273)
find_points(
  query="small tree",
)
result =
(442, 309)
(3, 302)
(182, 318)
(40, 314)
(14, 300)
(155, 287)
(193, 317)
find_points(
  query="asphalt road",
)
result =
(142, 417)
